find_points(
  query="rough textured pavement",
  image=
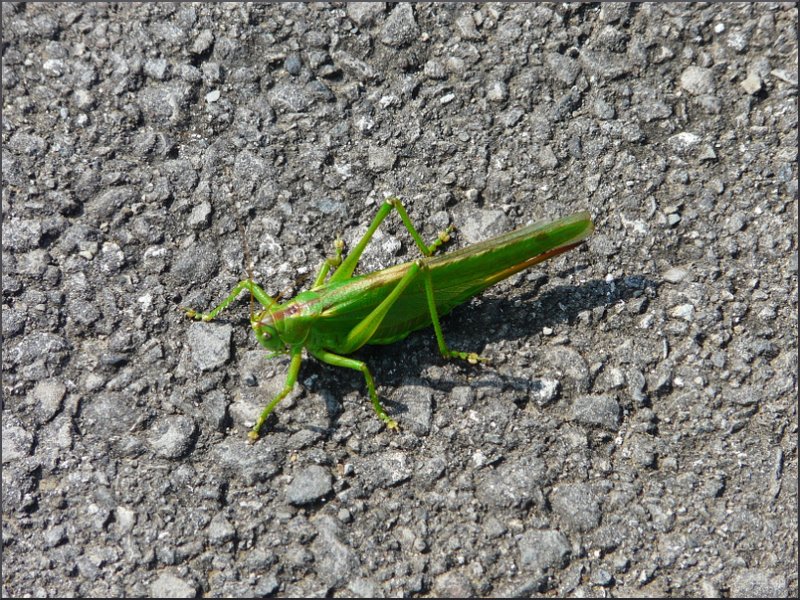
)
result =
(635, 433)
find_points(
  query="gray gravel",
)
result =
(635, 430)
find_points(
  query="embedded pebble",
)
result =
(400, 28)
(636, 385)
(512, 116)
(642, 451)
(601, 577)
(27, 144)
(482, 224)
(310, 485)
(214, 409)
(434, 70)
(452, 584)
(752, 84)
(683, 311)
(683, 141)
(49, 395)
(13, 321)
(156, 68)
(675, 274)
(514, 483)
(785, 76)
(289, 97)
(196, 263)
(293, 64)
(758, 583)
(210, 344)
(364, 13)
(354, 67)
(465, 26)
(698, 80)
(17, 442)
(200, 216)
(251, 463)
(335, 561)
(220, 530)
(267, 586)
(125, 518)
(37, 353)
(172, 586)
(497, 91)
(564, 68)
(547, 158)
(381, 159)
(172, 436)
(603, 110)
(569, 362)
(55, 536)
(544, 391)
(361, 587)
(202, 42)
(545, 549)
(418, 401)
(602, 411)
(577, 506)
(393, 467)
(652, 110)
(21, 235)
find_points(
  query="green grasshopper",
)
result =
(342, 313)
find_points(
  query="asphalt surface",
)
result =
(634, 432)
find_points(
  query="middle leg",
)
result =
(342, 361)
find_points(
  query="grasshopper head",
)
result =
(263, 324)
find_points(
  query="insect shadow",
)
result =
(486, 319)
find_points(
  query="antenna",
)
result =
(249, 267)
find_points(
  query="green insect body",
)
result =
(341, 313)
